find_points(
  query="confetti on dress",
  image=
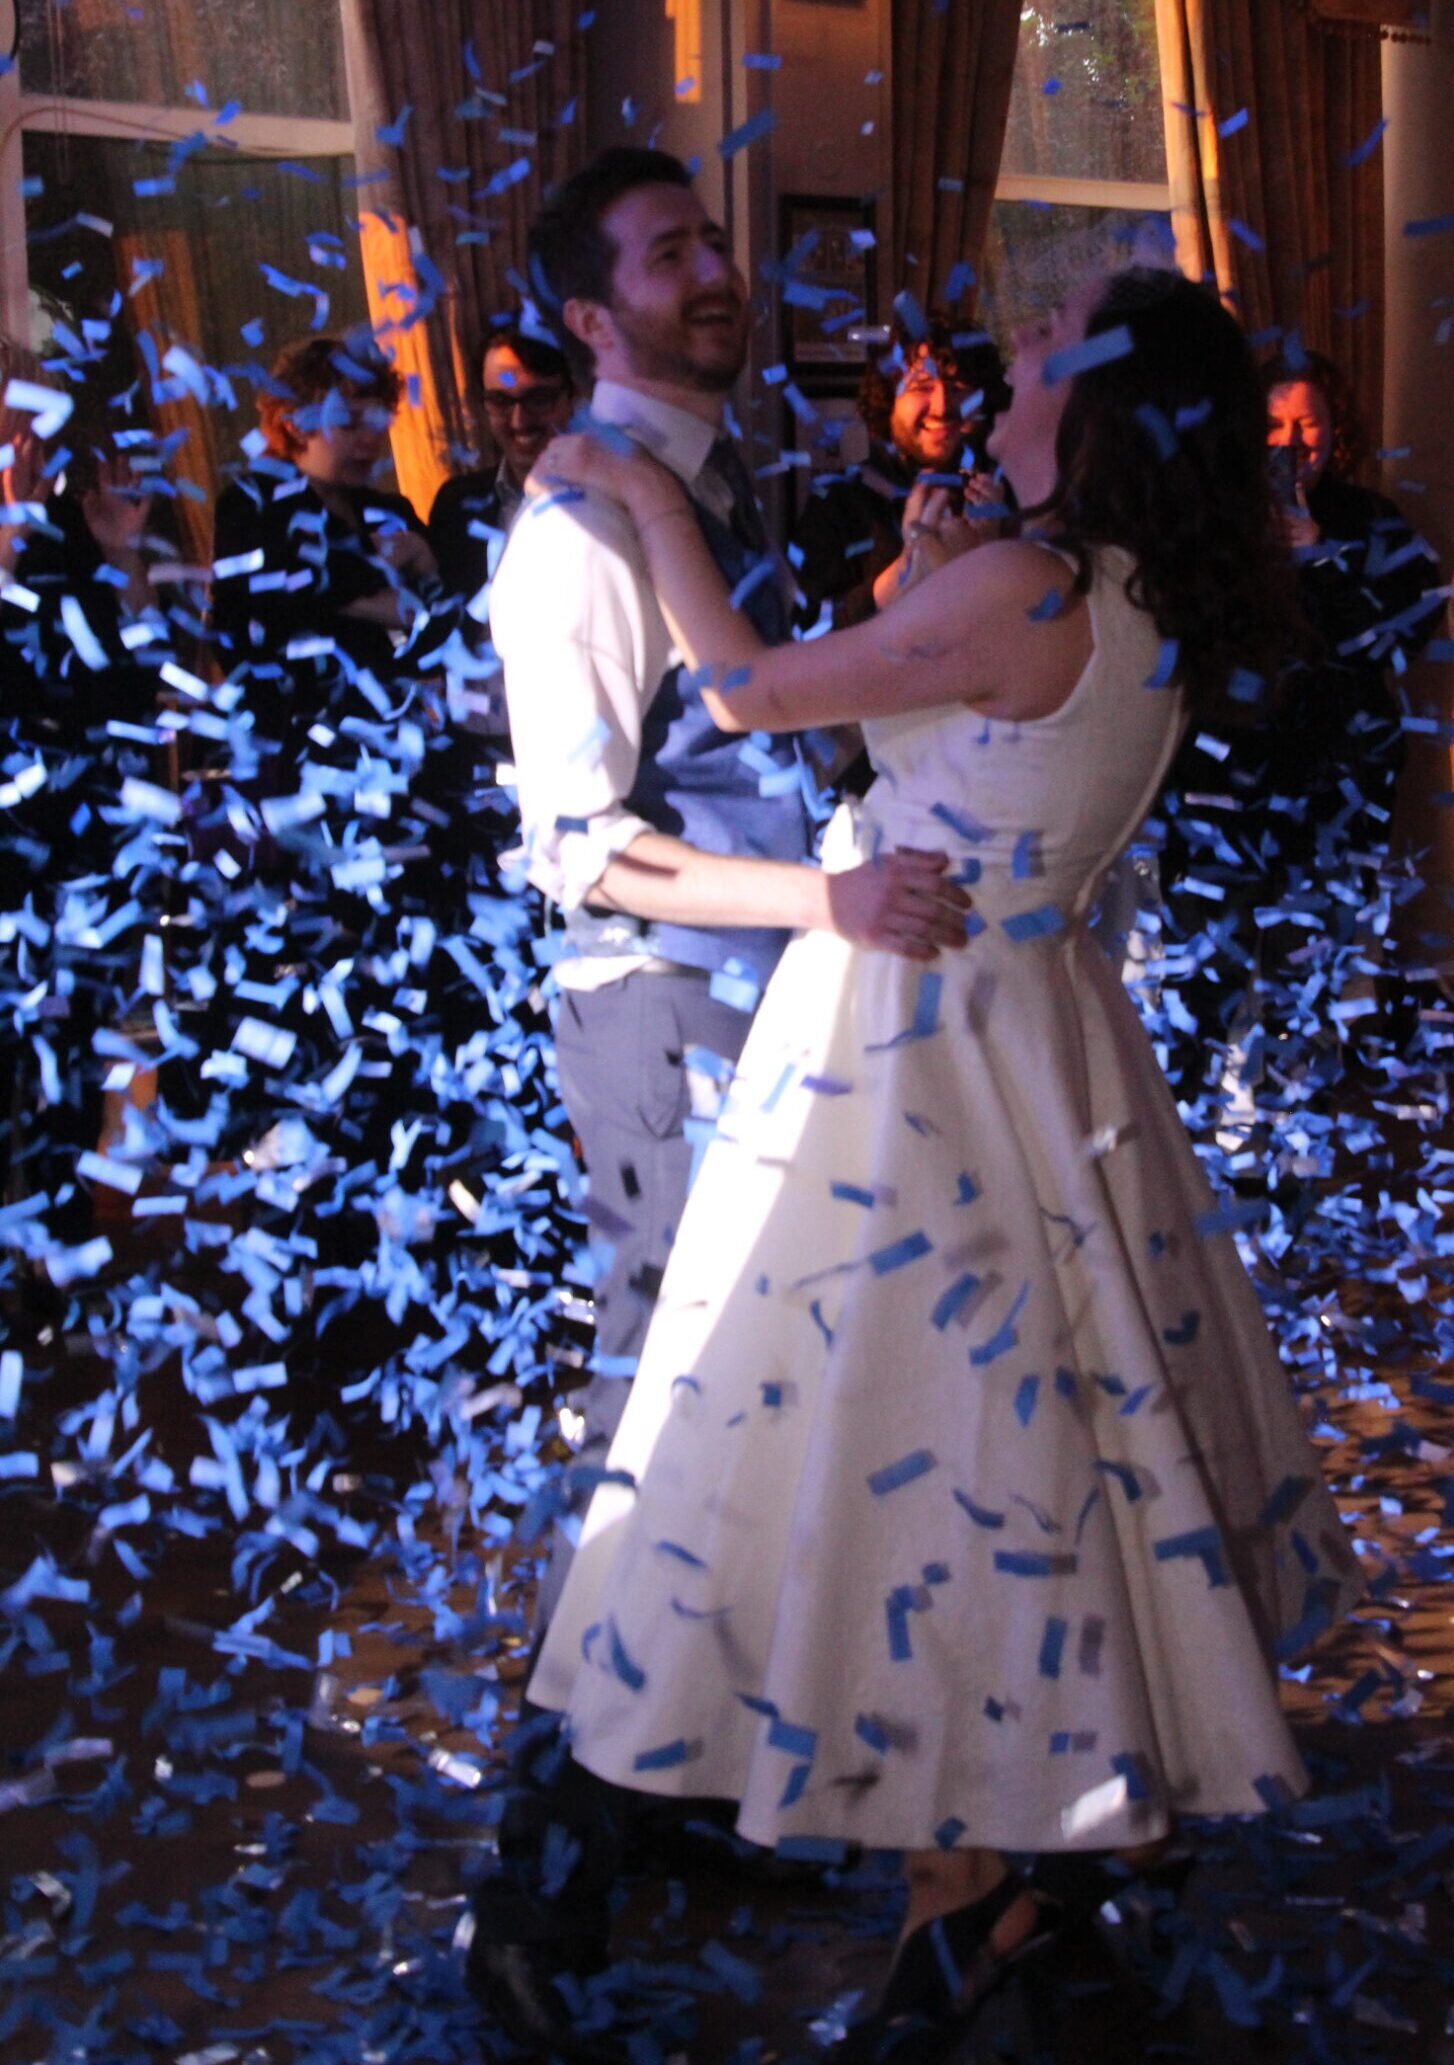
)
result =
(960, 1382)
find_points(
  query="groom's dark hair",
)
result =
(572, 257)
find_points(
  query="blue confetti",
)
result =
(1004, 1338)
(1100, 350)
(1166, 664)
(748, 132)
(1035, 1563)
(893, 1476)
(1369, 145)
(980, 1515)
(1042, 923)
(1202, 1544)
(1052, 1646)
(951, 1303)
(666, 1758)
(912, 1248)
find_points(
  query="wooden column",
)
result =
(1418, 93)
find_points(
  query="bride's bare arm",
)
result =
(981, 630)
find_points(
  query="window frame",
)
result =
(22, 113)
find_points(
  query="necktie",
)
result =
(727, 463)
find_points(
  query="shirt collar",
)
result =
(679, 439)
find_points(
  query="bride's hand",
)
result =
(933, 535)
(615, 467)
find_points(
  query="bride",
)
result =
(961, 1506)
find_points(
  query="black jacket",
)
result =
(463, 556)
(291, 566)
(849, 531)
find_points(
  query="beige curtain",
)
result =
(1275, 209)
(493, 91)
(167, 306)
(953, 70)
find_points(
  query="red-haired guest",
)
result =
(306, 546)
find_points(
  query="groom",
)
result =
(679, 855)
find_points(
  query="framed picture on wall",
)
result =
(826, 248)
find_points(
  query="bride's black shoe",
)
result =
(1131, 1908)
(945, 1972)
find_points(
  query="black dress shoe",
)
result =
(516, 1984)
(944, 1977)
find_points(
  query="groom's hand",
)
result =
(901, 903)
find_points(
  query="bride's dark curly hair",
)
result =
(1163, 450)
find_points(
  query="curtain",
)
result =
(463, 114)
(1285, 208)
(164, 306)
(954, 66)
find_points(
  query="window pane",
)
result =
(1087, 95)
(277, 57)
(184, 267)
(1035, 251)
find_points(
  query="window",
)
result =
(1083, 175)
(184, 168)
(275, 56)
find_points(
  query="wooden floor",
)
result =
(251, 1843)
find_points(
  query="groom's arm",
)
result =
(584, 648)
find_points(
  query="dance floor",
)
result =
(234, 1834)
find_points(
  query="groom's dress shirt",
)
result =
(576, 623)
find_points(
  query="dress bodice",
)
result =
(1034, 813)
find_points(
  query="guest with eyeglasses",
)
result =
(528, 397)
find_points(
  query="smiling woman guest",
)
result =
(1364, 576)
(1297, 812)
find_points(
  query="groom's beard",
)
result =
(703, 346)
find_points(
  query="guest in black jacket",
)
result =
(928, 404)
(84, 633)
(527, 396)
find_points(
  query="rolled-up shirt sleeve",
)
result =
(584, 649)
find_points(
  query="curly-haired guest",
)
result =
(928, 405)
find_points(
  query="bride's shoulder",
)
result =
(1019, 574)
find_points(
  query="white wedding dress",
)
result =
(972, 1501)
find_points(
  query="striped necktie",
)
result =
(727, 463)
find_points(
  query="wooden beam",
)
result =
(14, 273)
(281, 136)
(1144, 194)
(1374, 14)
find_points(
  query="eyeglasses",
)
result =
(534, 403)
